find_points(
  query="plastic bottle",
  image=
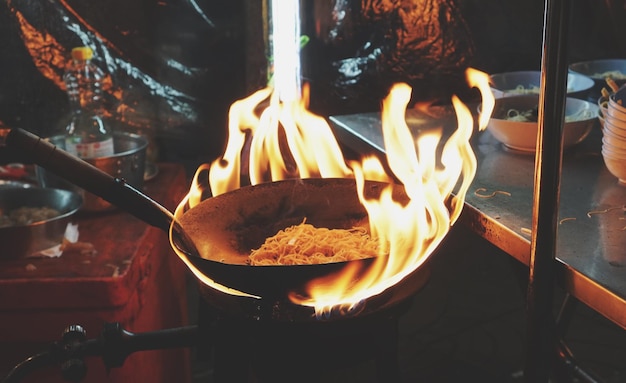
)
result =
(87, 134)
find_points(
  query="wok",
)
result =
(217, 235)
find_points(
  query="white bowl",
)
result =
(616, 125)
(614, 141)
(611, 128)
(522, 135)
(601, 119)
(616, 165)
(528, 82)
(603, 104)
(617, 146)
(616, 108)
(597, 70)
(606, 150)
(614, 154)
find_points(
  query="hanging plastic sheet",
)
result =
(360, 47)
(167, 62)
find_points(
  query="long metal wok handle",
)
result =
(83, 174)
(90, 178)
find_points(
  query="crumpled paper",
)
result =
(70, 237)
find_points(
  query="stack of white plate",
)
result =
(614, 134)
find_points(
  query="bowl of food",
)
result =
(514, 121)
(599, 71)
(528, 82)
(34, 219)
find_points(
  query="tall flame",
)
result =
(286, 140)
(413, 230)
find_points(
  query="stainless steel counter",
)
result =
(591, 243)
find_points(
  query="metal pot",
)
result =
(128, 163)
(23, 240)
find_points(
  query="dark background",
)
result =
(178, 65)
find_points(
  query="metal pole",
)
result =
(541, 335)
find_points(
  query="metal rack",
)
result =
(542, 339)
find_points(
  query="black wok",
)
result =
(217, 235)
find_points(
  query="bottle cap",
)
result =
(82, 53)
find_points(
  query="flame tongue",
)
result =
(411, 230)
(287, 140)
(312, 148)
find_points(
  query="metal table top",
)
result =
(591, 243)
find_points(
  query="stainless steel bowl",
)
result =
(127, 163)
(22, 240)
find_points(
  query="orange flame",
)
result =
(436, 187)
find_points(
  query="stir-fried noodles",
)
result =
(306, 244)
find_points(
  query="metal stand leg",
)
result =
(541, 336)
(567, 368)
(565, 314)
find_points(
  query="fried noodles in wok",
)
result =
(305, 244)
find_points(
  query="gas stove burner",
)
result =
(248, 350)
